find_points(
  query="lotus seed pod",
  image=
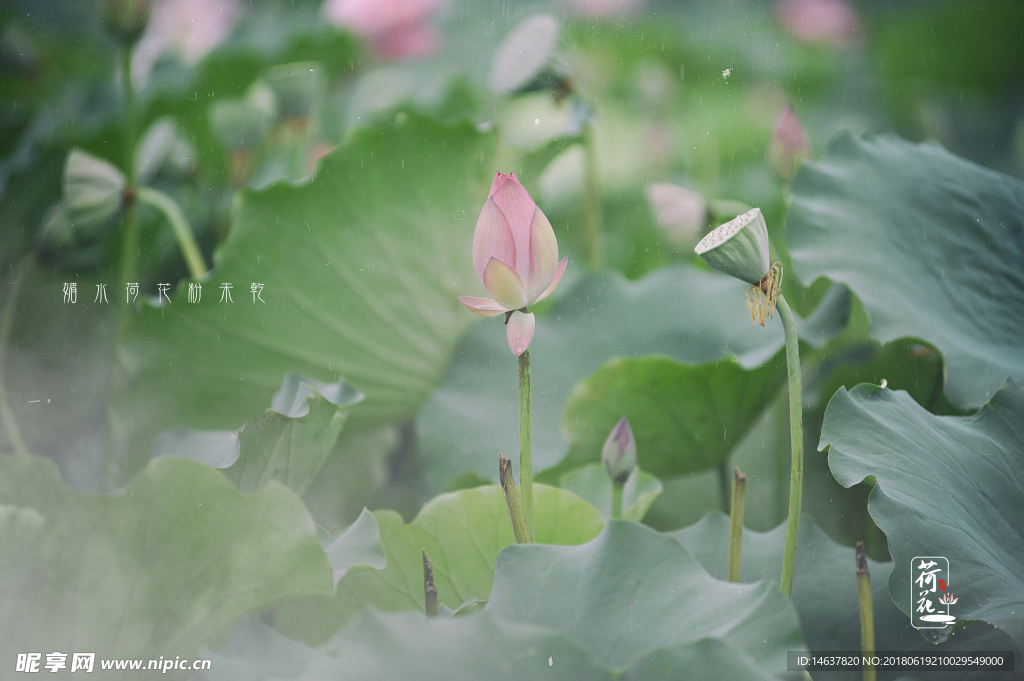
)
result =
(739, 247)
(619, 453)
(93, 190)
(126, 19)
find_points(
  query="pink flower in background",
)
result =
(515, 254)
(605, 8)
(396, 29)
(818, 21)
(188, 28)
(789, 144)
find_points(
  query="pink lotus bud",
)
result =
(619, 453)
(818, 21)
(515, 254)
(789, 144)
(396, 29)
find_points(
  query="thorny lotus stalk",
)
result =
(740, 249)
(526, 442)
(429, 590)
(739, 489)
(515, 511)
(867, 618)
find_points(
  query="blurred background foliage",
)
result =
(681, 92)
(240, 105)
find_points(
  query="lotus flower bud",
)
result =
(681, 213)
(619, 453)
(126, 19)
(526, 60)
(515, 255)
(93, 190)
(789, 144)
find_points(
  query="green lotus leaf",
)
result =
(943, 486)
(289, 443)
(685, 418)
(361, 268)
(461, 533)
(931, 244)
(167, 564)
(481, 646)
(632, 590)
(825, 594)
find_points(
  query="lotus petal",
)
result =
(520, 326)
(543, 255)
(485, 307)
(504, 284)
(492, 238)
(554, 282)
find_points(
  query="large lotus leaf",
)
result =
(462, 533)
(632, 590)
(289, 443)
(592, 484)
(932, 244)
(686, 313)
(944, 486)
(167, 564)
(484, 646)
(360, 267)
(685, 418)
(825, 593)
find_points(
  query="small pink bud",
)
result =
(515, 254)
(619, 453)
(789, 144)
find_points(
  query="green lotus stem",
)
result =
(429, 590)
(739, 489)
(725, 485)
(19, 274)
(796, 436)
(617, 488)
(515, 511)
(867, 617)
(592, 207)
(129, 114)
(179, 224)
(525, 443)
